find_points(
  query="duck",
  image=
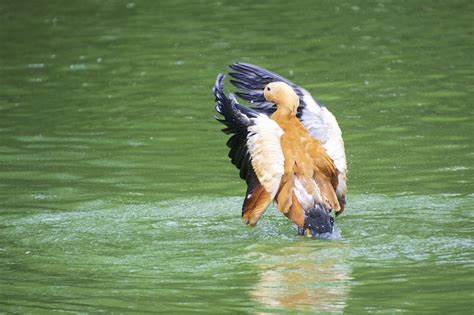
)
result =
(287, 147)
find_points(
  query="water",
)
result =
(116, 193)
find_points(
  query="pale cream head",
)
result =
(282, 95)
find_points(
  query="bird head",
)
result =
(282, 95)
(317, 221)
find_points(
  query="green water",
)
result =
(116, 193)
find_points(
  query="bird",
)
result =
(288, 148)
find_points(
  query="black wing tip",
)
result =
(243, 65)
(220, 97)
(236, 65)
(220, 78)
(250, 78)
(219, 84)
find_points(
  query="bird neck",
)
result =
(283, 114)
(287, 108)
(288, 103)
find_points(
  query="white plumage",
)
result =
(264, 146)
(322, 125)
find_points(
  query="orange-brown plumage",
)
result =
(255, 205)
(305, 157)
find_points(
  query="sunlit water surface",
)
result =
(116, 193)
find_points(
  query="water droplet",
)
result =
(36, 65)
(76, 67)
(132, 193)
(36, 80)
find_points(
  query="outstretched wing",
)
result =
(317, 119)
(255, 150)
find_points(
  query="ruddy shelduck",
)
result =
(289, 149)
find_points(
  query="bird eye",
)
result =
(268, 88)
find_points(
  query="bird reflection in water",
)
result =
(297, 280)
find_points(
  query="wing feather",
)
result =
(264, 145)
(255, 150)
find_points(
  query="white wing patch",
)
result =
(322, 125)
(263, 141)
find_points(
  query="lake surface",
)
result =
(116, 193)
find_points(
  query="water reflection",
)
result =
(304, 277)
